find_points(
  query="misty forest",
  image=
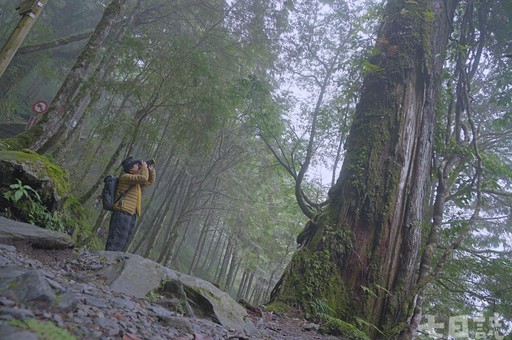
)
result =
(351, 159)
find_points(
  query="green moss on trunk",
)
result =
(23, 140)
(360, 255)
(314, 275)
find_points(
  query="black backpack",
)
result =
(108, 194)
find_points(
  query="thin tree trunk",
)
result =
(269, 286)
(204, 231)
(187, 230)
(242, 286)
(82, 171)
(207, 258)
(233, 269)
(221, 279)
(114, 159)
(81, 100)
(172, 235)
(248, 287)
(219, 257)
(163, 225)
(215, 255)
(54, 123)
(126, 144)
(155, 227)
(200, 243)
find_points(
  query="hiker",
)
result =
(136, 174)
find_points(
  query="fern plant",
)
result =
(29, 203)
(320, 307)
(330, 324)
(20, 191)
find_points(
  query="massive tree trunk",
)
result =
(360, 255)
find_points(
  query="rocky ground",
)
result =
(86, 308)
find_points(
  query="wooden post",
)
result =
(29, 11)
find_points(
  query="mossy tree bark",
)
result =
(52, 128)
(360, 254)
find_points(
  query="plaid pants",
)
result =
(120, 230)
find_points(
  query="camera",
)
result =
(150, 162)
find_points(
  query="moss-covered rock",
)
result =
(38, 172)
(22, 140)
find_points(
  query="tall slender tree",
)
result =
(53, 126)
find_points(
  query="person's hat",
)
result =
(128, 163)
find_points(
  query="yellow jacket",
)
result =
(131, 202)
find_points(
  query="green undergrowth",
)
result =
(42, 166)
(44, 330)
(279, 308)
(24, 201)
(337, 327)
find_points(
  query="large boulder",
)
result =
(48, 179)
(38, 237)
(137, 276)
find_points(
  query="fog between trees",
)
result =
(417, 219)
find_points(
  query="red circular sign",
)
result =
(40, 106)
